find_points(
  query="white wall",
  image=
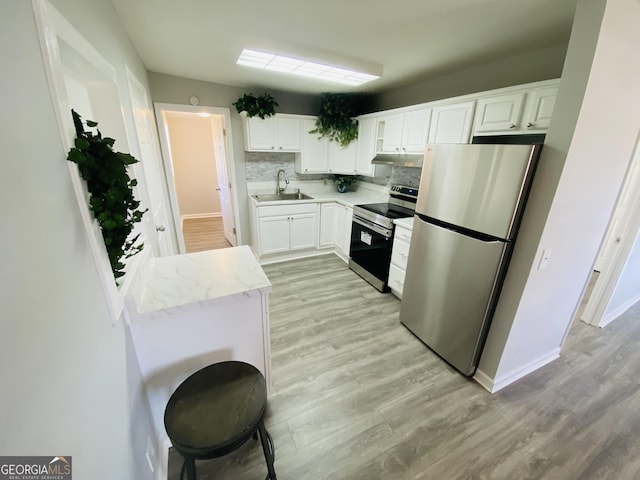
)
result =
(70, 381)
(194, 163)
(588, 149)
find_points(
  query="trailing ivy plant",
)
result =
(110, 191)
(262, 106)
(335, 119)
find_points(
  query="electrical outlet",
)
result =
(151, 454)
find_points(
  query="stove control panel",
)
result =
(404, 192)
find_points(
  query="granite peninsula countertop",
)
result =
(177, 280)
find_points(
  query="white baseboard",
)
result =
(483, 379)
(607, 319)
(499, 382)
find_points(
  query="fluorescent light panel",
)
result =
(296, 66)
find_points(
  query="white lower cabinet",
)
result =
(327, 237)
(335, 227)
(344, 217)
(294, 230)
(285, 228)
(399, 257)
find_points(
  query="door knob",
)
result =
(217, 189)
(160, 228)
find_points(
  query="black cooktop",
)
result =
(388, 210)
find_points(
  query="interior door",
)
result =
(150, 166)
(619, 220)
(224, 185)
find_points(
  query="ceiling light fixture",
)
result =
(297, 66)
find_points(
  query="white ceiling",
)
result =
(412, 39)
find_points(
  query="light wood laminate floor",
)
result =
(203, 234)
(357, 396)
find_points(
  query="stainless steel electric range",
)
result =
(372, 234)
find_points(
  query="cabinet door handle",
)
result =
(513, 125)
(529, 125)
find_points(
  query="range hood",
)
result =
(399, 159)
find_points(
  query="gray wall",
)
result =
(543, 64)
(70, 380)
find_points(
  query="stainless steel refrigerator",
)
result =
(469, 207)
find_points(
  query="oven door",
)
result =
(370, 252)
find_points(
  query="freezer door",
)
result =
(448, 291)
(479, 187)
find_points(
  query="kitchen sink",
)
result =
(274, 197)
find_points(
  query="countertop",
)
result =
(405, 222)
(176, 280)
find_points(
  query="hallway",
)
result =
(204, 234)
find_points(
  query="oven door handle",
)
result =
(372, 226)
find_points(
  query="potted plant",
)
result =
(262, 106)
(342, 182)
(111, 198)
(336, 117)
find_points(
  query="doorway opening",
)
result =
(621, 238)
(200, 176)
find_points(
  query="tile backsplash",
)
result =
(263, 166)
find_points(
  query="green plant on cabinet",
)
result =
(111, 198)
(336, 117)
(262, 106)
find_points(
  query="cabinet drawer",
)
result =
(403, 234)
(291, 209)
(396, 280)
(400, 254)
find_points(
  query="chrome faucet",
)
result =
(279, 190)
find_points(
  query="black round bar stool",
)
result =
(215, 411)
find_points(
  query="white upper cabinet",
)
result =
(404, 132)
(415, 130)
(520, 111)
(342, 159)
(367, 128)
(314, 155)
(280, 133)
(451, 123)
(539, 108)
(499, 113)
(390, 132)
(321, 155)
